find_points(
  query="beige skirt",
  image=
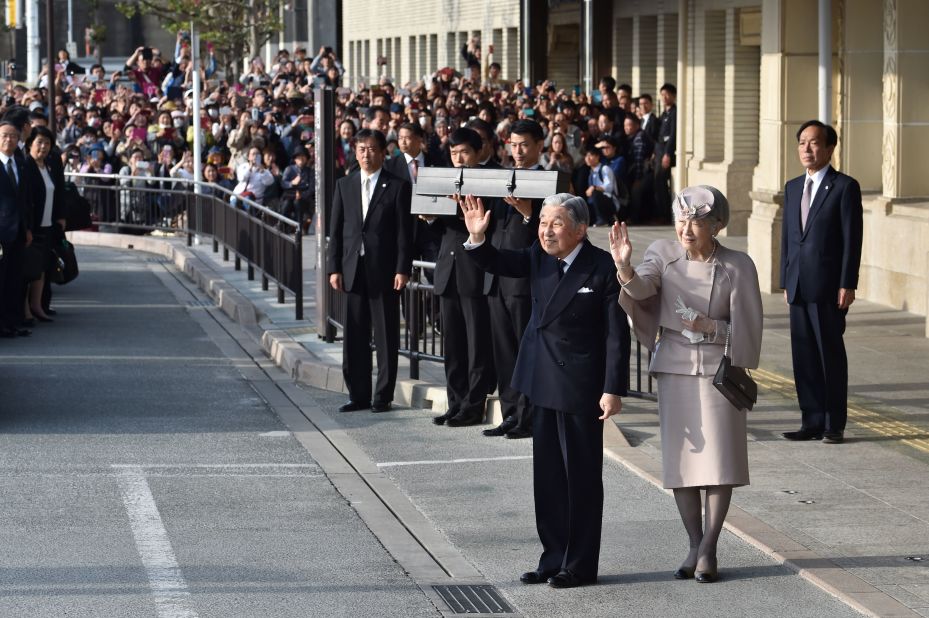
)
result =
(703, 436)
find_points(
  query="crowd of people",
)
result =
(258, 127)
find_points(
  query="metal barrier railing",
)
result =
(422, 339)
(263, 238)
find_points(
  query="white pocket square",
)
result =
(585, 291)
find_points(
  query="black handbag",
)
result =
(77, 209)
(65, 252)
(735, 383)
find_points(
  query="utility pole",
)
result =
(33, 44)
(50, 52)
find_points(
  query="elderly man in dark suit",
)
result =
(369, 258)
(820, 255)
(573, 364)
(15, 234)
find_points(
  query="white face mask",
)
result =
(178, 122)
(213, 113)
(164, 125)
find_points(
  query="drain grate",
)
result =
(480, 599)
(157, 260)
(200, 303)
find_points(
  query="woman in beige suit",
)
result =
(684, 300)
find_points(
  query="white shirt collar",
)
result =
(373, 177)
(569, 259)
(4, 158)
(420, 158)
(817, 180)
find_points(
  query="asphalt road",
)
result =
(142, 475)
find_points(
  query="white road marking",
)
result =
(275, 434)
(435, 462)
(172, 598)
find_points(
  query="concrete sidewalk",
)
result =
(852, 518)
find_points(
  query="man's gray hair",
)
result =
(576, 207)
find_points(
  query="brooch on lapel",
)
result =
(385, 184)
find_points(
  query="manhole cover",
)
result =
(479, 599)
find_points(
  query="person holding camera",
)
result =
(133, 205)
(146, 73)
(253, 177)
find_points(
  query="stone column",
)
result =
(666, 53)
(788, 97)
(644, 53)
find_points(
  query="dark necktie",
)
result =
(561, 268)
(11, 172)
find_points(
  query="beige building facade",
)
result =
(746, 72)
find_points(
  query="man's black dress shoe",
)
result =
(803, 434)
(833, 437)
(381, 406)
(535, 577)
(440, 420)
(517, 433)
(464, 419)
(500, 429)
(567, 579)
(352, 406)
(29, 323)
(22, 332)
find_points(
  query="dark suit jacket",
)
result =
(15, 204)
(653, 127)
(36, 190)
(824, 257)
(398, 167)
(452, 265)
(508, 230)
(576, 346)
(385, 232)
(667, 136)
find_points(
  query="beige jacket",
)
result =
(725, 289)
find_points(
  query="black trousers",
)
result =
(509, 316)
(567, 476)
(368, 308)
(12, 286)
(469, 367)
(662, 210)
(820, 365)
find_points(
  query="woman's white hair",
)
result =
(576, 206)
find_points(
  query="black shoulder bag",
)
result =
(735, 383)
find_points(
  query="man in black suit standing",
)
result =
(459, 284)
(515, 225)
(410, 139)
(820, 255)
(369, 259)
(650, 123)
(665, 154)
(573, 365)
(15, 235)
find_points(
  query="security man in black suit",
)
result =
(459, 284)
(665, 155)
(413, 157)
(15, 235)
(820, 255)
(573, 365)
(514, 225)
(369, 258)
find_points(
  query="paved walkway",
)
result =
(852, 518)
